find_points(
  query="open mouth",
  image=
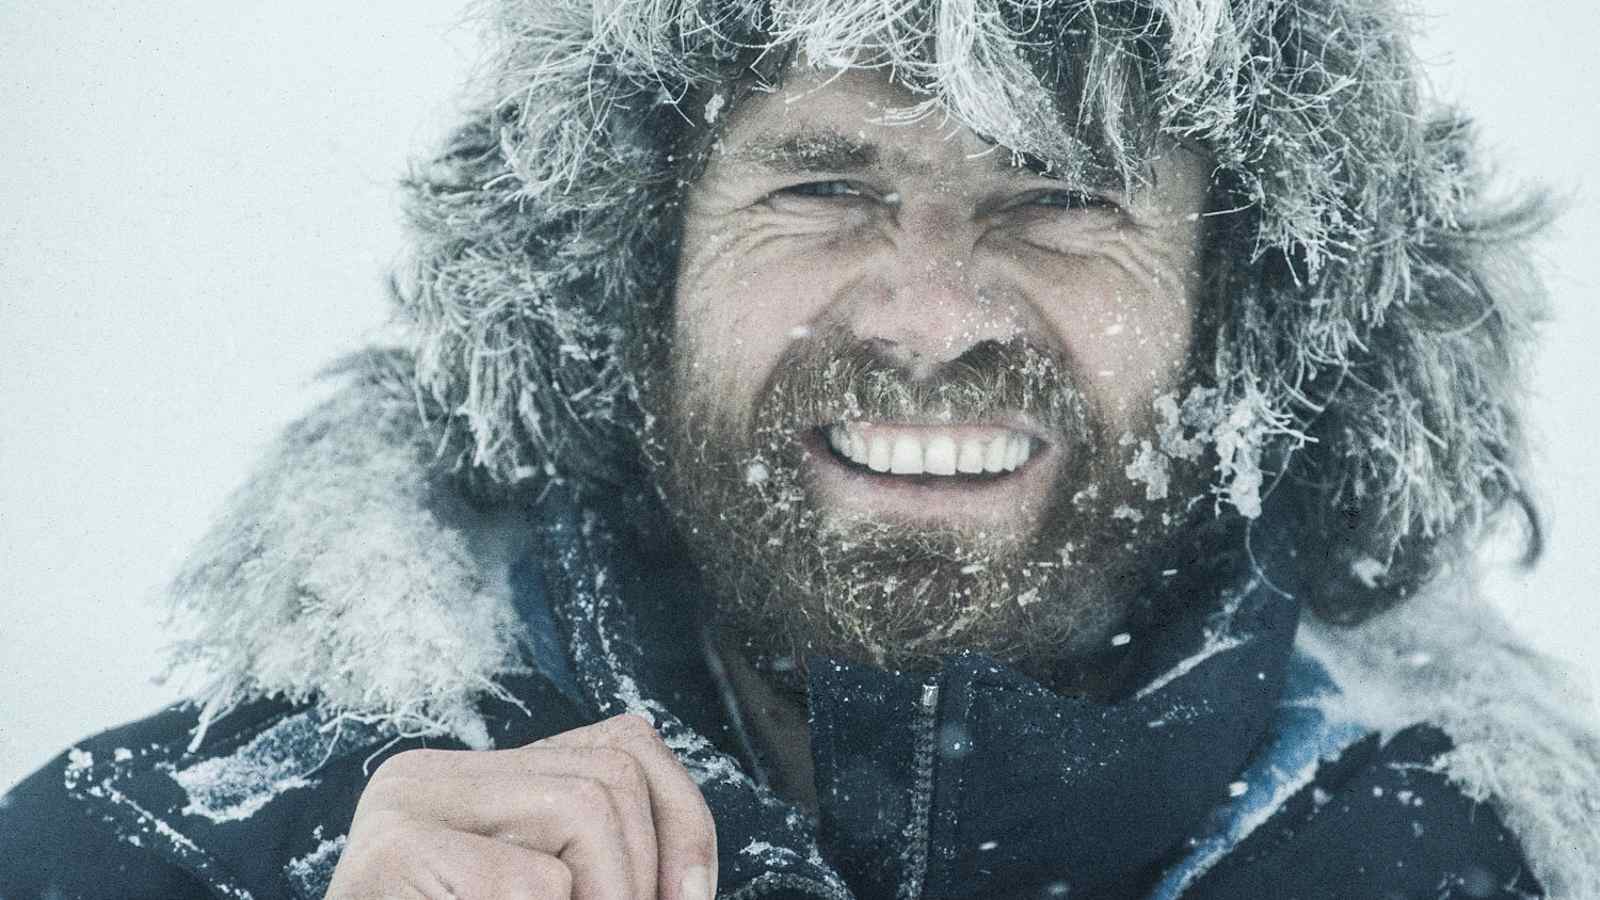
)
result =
(962, 452)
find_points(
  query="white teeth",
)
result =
(838, 439)
(994, 458)
(907, 459)
(878, 454)
(1017, 452)
(858, 448)
(971, 459)
(939, 458)
(928, 451)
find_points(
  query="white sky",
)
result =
(197, 210)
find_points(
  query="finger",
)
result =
(575, 818)
(625, 778)
(685, 833)
(417, 860)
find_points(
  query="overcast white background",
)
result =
(197, 209)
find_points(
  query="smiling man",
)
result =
(866, 450)
(946, 350)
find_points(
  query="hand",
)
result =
(603, 812)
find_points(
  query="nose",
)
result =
(929, 295)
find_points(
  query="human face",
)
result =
(900, 261)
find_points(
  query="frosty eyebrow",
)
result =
(824, 149)
(809, 150)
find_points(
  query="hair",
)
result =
(1369, 308)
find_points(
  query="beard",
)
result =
(789, 577)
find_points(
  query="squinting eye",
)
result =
(1069, 200)
(824, 189)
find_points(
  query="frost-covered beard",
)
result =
(790, 579)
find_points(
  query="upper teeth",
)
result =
(910, 450)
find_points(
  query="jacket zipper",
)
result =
(921, 794)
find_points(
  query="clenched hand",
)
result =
(597, 813)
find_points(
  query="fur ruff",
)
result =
(1524, 726)
(351, 573)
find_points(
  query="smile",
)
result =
(930, 449)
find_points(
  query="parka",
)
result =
(1253, 753)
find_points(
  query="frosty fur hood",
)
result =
(352, 573)
(1369, 307)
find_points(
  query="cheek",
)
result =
(1126, 319)
(738, 307)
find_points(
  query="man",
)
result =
(886, 450)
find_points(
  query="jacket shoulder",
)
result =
(1380, 820)
(54, 845)
(259, 808)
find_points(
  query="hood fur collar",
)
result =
(350, 572)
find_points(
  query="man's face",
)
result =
(908, 375)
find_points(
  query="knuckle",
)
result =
(620, 771)
(546, 876)
(405, 765)
(631, 726)
(384, 833)
(593, 795)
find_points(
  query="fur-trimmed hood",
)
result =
(1370, 302)
(350, 572)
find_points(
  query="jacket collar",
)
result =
(910, 768)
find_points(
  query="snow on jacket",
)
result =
(354, 603)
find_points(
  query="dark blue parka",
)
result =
(1215, 773)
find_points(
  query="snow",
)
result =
(312, 872)
(1368, 571)
(1149, 466)
(713, 108)
(79, 761)
(235, 787)
(1217, 638)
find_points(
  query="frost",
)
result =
(756, 473)
(235, 787)
(1125, 511)
(1238, 788)
(1121, 639)
(1217, 638)
(770, 853)
(121, 754)
(1368, 571)
(312, 873)
(713, 108)
(1149, 466)
(79, 761)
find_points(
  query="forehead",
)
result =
(859, 120)
(851, 120)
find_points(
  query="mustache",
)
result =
(834, 377)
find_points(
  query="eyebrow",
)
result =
(807, 150)
(825, 149)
